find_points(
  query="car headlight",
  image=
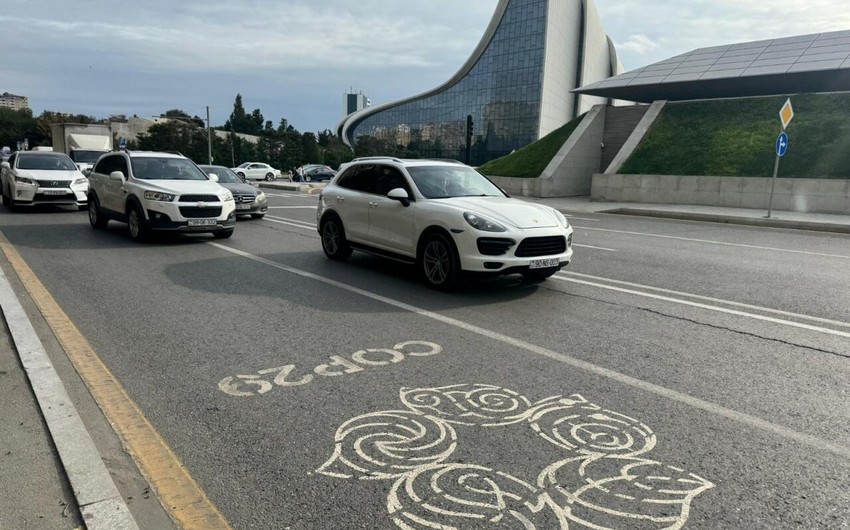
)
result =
(482, 223)
(159, 196)
(226, 196)
(24, 180)
(562, 219)
(80, 182)
(260, 197)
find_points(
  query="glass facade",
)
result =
(502, 92)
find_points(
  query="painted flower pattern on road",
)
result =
(600, 477)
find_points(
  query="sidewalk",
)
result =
(715, 214)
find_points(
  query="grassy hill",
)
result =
(737, 137)
(531, 160)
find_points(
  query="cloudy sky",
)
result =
(295, 58)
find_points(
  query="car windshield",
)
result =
(443, 182)
(154, 168)
(51, 161)
(225, 175)
(86, 157)
(244, 164)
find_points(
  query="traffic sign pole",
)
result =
(786, 114)
(773, 186)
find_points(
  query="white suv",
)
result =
(442, 215)
(158, 192)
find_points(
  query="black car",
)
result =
(249, 200)
(318, 174)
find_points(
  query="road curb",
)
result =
(733, 219)
(99, 501)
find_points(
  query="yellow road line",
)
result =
(178, 492)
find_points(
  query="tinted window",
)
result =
(440, 182)
(107, 165)
(359, 178)
(389, 178)
(225, 175)
(12, 159)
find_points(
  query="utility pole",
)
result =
(209, 138)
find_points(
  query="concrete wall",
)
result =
(797, 195)
(570, 172)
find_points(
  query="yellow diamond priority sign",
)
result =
(786, 114)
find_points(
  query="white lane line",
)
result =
(674, 395)
(580, 218)
(97, 496)
(791, 323)
(299, 224)
(297, 195)
(784, 250)
(710, 299)
(292, 207)
(596, 248)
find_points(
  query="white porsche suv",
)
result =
(443, 216)
(158, 192)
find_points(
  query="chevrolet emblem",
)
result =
(202, 205)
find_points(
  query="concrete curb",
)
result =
(99, 501)
(732, 219)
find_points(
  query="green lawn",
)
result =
(531, 160)
(737, 137)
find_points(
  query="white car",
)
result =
(443, 216)
(256, 171)
(158, 192)
(42, 177)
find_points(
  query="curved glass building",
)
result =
(516, 86)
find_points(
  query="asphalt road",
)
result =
(674, 373)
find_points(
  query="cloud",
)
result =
(640, 44)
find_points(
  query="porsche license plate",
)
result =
(202, 222)
(543, 263)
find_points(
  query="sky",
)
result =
(295, 59)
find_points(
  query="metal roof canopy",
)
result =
(803, 64)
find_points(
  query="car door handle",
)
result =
(340, 198)
(373, 205)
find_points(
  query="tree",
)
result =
(181, 115)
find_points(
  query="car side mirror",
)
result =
(213, 177)
(400, 195)
(117, 175)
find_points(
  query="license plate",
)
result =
(54, 192)
(202, 222)
(243, 206)
(543, 263)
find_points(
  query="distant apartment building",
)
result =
(352, 102)
(11, 101)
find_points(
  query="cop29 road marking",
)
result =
(709, 299)
(668, 393)
(336, 366)
(742, 245)
(595, 248)
(735, 312)
(290, 222)
(177, 491)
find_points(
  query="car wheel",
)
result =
(136, 224)
(223, 234)
(333, 239)
(269, 177)
(538, 275)
(439, 262)
(96, 217)
(308, 178)
(257, 215)
(241, 174)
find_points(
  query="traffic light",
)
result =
(469, 126)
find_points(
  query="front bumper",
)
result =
(170, 216)
(252, 208)
(27, 195)
(472, 260)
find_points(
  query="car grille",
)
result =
(244, 198)
(199, 198)
(494, 246)
(194, 211)
(541, 246)
(53, 183)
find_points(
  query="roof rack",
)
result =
(362, 158)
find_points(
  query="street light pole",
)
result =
(209, 138)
